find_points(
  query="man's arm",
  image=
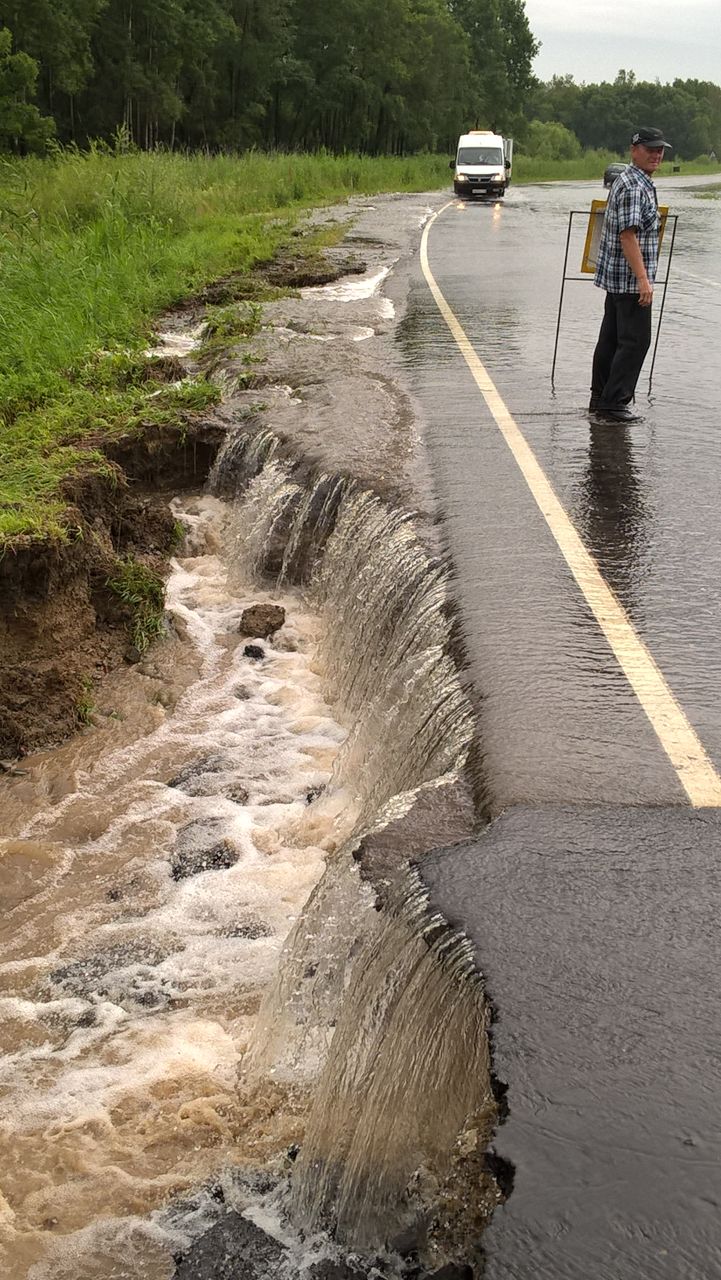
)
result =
(631, 250)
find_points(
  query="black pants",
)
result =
(623, 341)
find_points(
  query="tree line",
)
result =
(375, 76)
(605, 115)
(372, 76)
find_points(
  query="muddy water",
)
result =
(156, 865)
(127, 995)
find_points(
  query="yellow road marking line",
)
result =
(679, 740)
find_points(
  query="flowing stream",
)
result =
(186, 933)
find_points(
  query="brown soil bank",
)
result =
(62, 627)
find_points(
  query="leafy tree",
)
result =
(138, 57)
(502, 50)
(605, 115)
(22, 127)
(256, 64)
(439, 65)
(551, 140)
(373, 75)
(369, 75)
(57, 35)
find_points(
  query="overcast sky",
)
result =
(658, 39)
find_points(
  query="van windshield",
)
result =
(480, 155)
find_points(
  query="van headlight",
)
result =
(461, 177)
(497, 176)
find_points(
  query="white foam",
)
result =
(124, 995)
(177, 342)
(146, 1055)
(348, 290)
(282, 332)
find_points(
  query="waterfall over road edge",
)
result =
(378, 1009)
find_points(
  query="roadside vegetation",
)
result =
(589, 166)
(549, 150)
(93, 246)
(142, 590)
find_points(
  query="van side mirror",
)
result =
(451, 164)
(508, 164)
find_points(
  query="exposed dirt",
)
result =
(168, 459)
(286, 271)
(62, 629)
(298, 272)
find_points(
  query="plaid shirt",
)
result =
(632, 203)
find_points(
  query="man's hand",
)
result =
(645, 293)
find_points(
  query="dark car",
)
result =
(611, 172)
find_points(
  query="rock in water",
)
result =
(237, 793)
(453, 1271)
(261, 620)
(197, 849)
(190, 862)
(192, 777)
(234, 1249)
(329, 1270)
(252, 928)
(254, 651)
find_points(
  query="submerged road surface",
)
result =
(560, 719)
(588, 560)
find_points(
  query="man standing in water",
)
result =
(626, 269)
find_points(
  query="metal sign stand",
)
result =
(583, 213)
(664, 282)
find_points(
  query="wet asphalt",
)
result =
(559, 721)
(599, 941)
(592, 898)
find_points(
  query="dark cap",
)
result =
(650, 138)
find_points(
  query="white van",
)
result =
(483, 164)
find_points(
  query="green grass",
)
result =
(234, 322)
(144, 592)
(179, 535)
(92, 248)
(591, 165)
(42, 447)
(85, 705)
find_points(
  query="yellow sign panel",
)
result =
(593, 234)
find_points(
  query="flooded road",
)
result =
(643, 498)
(597, 931)
(592, 897)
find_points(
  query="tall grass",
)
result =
(591, 164)
(94, 245)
